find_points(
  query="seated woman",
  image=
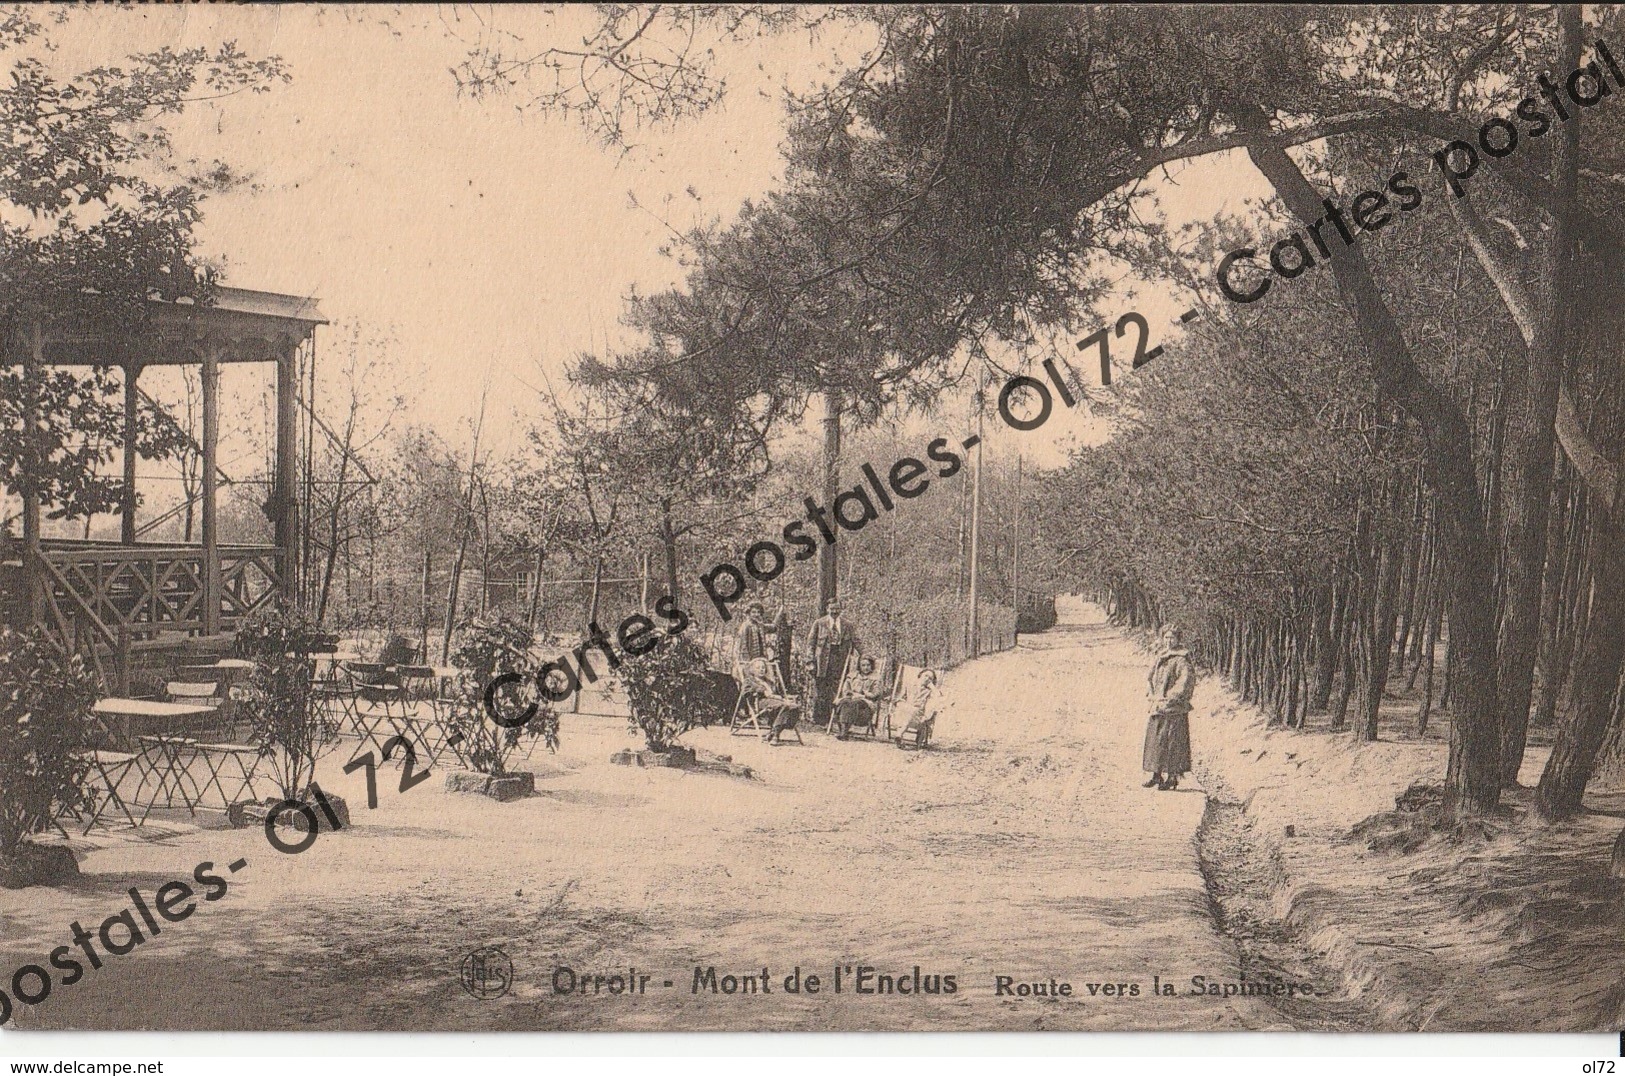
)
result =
(859, 700)
(782, 713)
(920, 711)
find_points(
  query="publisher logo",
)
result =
(487, 973)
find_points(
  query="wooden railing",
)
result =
(110, 594)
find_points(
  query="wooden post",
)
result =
(286, 496)
(33, 567)
(122, 661)
(211, 530)
(975, 644)
(127, 529)
(423, 599)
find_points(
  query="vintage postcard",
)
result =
(811, 518)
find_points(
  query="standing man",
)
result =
(828, 644)
(1167, 754)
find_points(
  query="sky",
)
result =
(487, 245)
(480, 238)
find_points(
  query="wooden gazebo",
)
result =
(102, 598)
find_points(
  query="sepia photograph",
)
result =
(811, 518)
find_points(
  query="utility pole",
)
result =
(827, 579)
(975, 645)
(1015, 559)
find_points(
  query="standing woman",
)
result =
(779, 652)
(1167, 754)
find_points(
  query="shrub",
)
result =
(279, 704)
(664, 688)
(45, 695)
(491, 647)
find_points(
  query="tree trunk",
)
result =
(1380, 645)
(828, 581)
(333, 520)
(1560, 657)
(1409, 587)
(1328, 632)
(1596, 677)
(1431, 645)
(668, 542)
(1532, 436)
(592, 618)
(1474, 775)
(536, 589)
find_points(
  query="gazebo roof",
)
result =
(269, 304)
(240, 325)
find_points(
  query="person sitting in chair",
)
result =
(859, 700)
(921, 710)
(780, 712)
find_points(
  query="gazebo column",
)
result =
(132, 370)
(285, 496)
(211, 447)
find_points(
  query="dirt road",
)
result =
(1020, 845)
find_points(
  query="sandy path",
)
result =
(1020, 845)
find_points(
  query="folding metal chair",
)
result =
(168, 757)
(103, 772)
(400, 651)
(380, 698)
(52, 819)
(418, 716)
(230, 763)
(337, 696)
(167, 760)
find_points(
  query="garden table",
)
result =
(332, 661)
(234, 674)
(128, 719)
(157, 732)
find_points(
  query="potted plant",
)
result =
(283, 714)
(44, 697)
(494, 690)
(665, 689)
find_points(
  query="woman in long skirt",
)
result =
(1167, 754)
